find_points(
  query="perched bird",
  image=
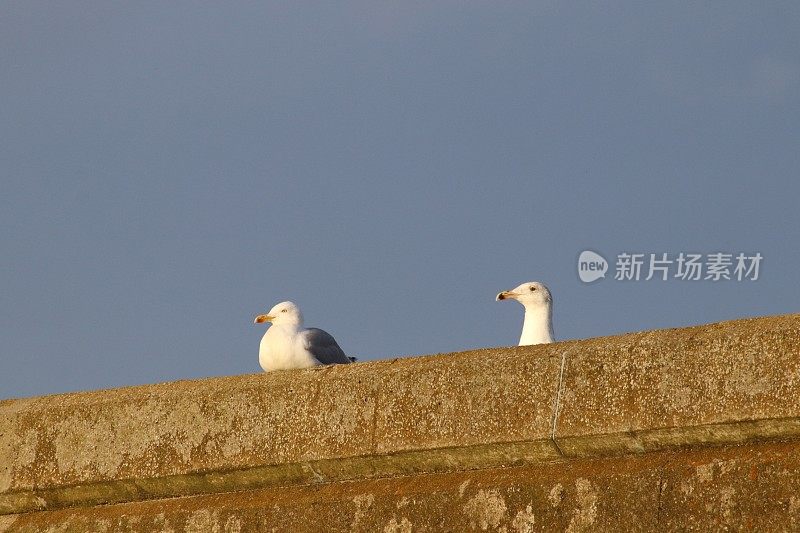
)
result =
(287, 344)
(538, 325)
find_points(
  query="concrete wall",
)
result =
(693, 428)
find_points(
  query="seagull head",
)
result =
(283, 314)
(531, 295)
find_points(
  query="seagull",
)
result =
(287, 344)
(538, 325)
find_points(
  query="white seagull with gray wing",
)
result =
(287, 344)
(538, 304)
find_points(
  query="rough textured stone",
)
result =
(331, 438)
(724, 382)
(744, 488)
(408, 415)
(477, 397)
(95, 441)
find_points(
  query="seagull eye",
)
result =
(533, 288)
(283, 310)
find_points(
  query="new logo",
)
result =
(591, 266)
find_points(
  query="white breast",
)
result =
(281, 350)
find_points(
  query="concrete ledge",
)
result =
(742, 488)
(670, 384)
(719, 384)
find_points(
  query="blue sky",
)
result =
(170, 170)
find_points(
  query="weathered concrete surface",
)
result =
(719, 384)
(340, 422)
(747, 488)
(727, 382)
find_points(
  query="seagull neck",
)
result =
(289, 328)
(538, 326)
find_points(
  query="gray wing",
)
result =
(323, 346)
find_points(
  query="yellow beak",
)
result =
(263, 318)
(505, 295)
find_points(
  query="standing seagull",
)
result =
(538, 325)
(287, 344)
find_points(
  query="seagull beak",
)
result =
(263, 318)
(505, 295)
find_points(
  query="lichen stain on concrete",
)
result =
(82, 442)
(163, 523)
(792, 376)
(524, 521)
(248, 422)
(11, 442)
(403, 526)
(203, 521)
(752, 383)
(556, 495)
(705, 473)
(338, 421)
(727, 502)
(682, 397)
(25, 444)
(233, 525)
(670, 387)
(6, 521)
(584, 516)
(362, 502)
(425, 389)
(486, 509)
(794, 505)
